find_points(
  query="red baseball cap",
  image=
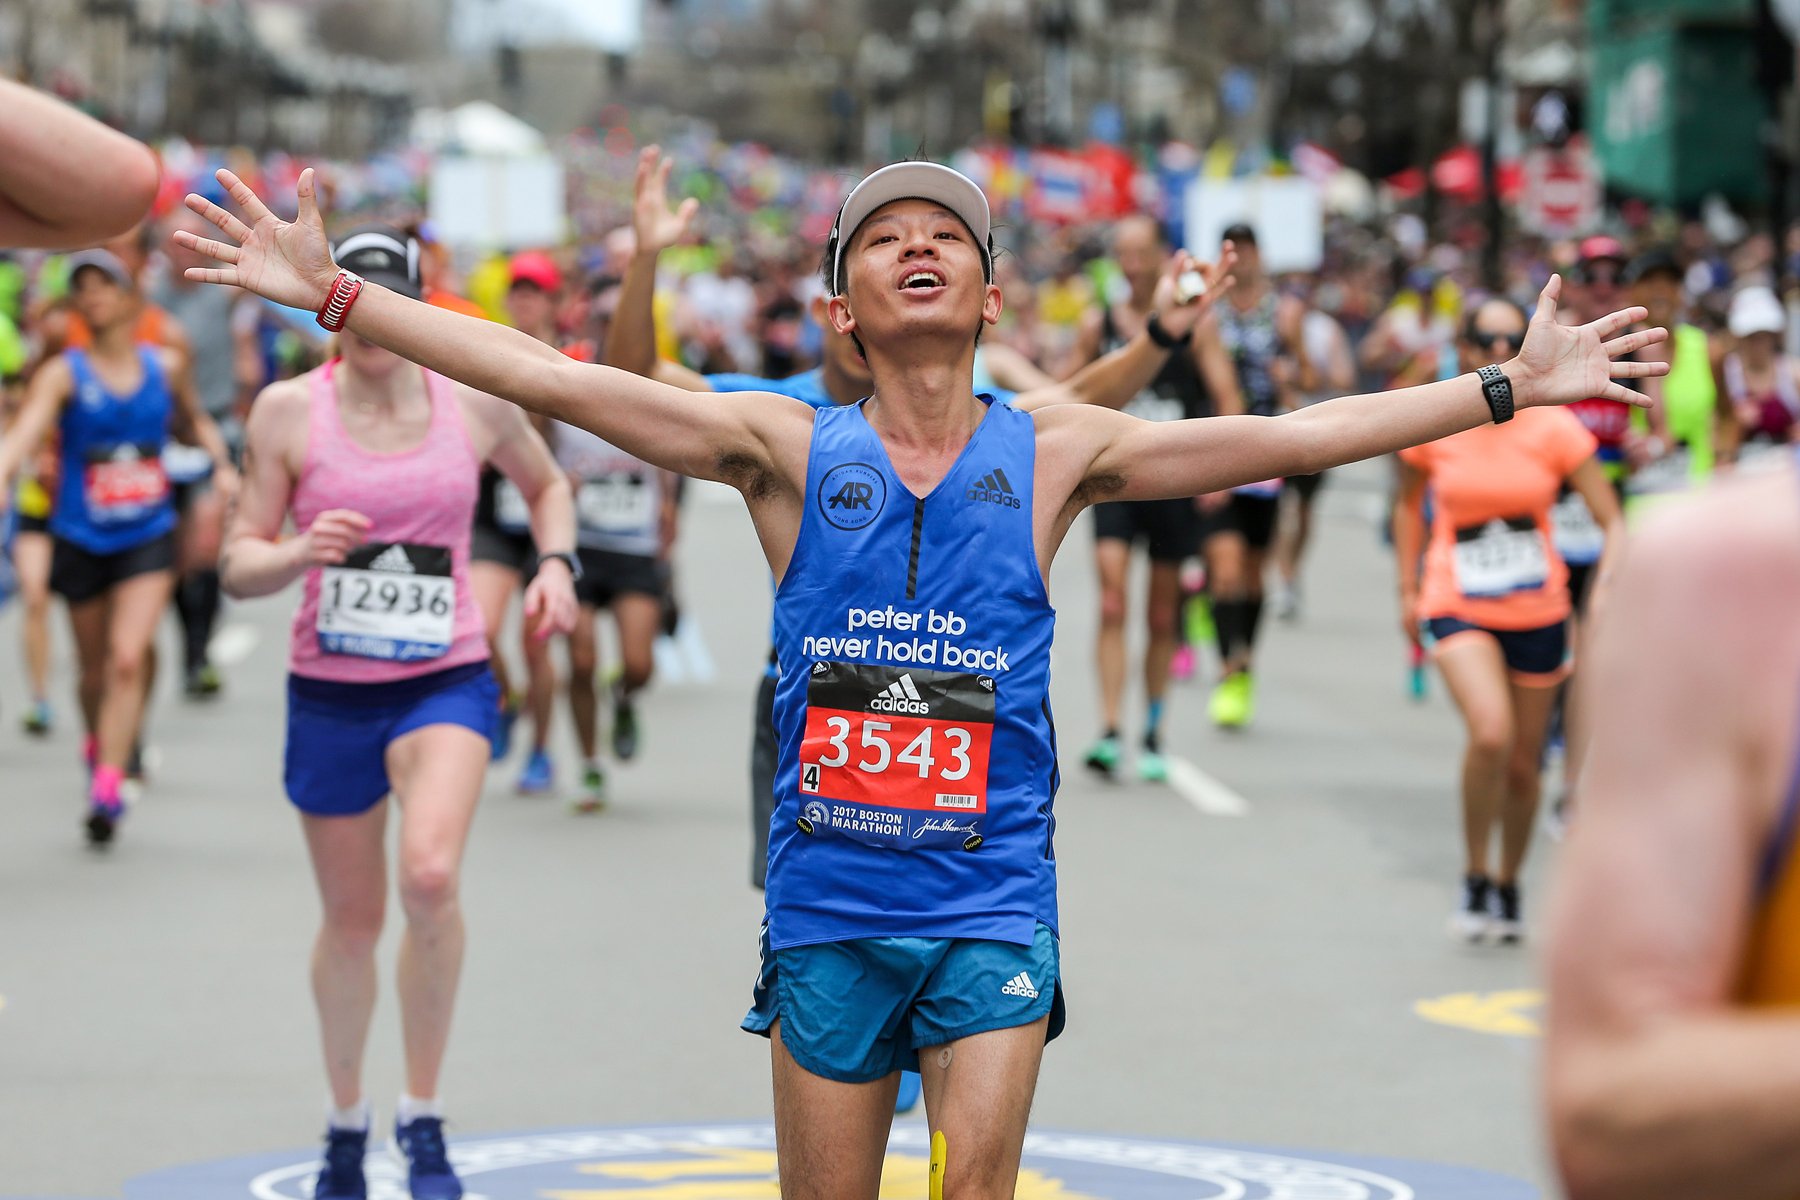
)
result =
(1600, 246)
(538, 269)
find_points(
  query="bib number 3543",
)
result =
(392, 600)
(896, 756)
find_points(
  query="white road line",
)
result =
(233, 644)
(1203, 791)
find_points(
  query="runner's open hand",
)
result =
(656, 225)
(331, 537)
(287, 262)
(551, 599)
(1560, 364)
(1178, 318)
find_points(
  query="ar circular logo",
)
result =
(738, 1162)
(852, 495)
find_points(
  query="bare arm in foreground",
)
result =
(1658, 1085)
(66, 179)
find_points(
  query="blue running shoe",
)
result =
(907, 1098)
(341, 1178)
(538, 775)
(420, 1143)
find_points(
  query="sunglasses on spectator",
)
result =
(1485, 338)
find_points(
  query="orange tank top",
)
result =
(1771, 976)
(151, 329)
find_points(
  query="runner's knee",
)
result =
(427, 887)
(353, 925)
(1490, 738)
(1112, 607)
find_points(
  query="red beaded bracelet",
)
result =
(344, 291)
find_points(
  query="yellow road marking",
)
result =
(1504, 1014)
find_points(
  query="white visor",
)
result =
(911, 181)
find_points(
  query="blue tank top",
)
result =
(917, 760)
(114, 494)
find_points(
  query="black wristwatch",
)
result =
(568, 558)
(1154, 327)
(1497, 389)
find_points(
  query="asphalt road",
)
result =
(1243, 954)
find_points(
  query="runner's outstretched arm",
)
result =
(1143, 460)
(1113, 379)
(721, 438)
(66, 179)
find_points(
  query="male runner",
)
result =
(1124, 372)
(227, 372)
(1261, 330)
(1672, 1057)
(913, 846)
(1197, 380)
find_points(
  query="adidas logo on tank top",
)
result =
(392, 559)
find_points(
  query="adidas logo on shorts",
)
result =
(1020, 985)
(900, 696)
(392, 559)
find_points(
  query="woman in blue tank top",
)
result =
(113, 407)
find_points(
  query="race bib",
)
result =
(1756, 457)
(1673, 472)
(124, 483)
(1148, 406)
(186, 464)
(1579, 538)
(896, 756)
(389, 600)
(511, 512)
(618, 503)
(1501, 557)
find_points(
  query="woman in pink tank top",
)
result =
(377, 460)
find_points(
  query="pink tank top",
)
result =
(400, 606)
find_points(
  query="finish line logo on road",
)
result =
(737, 1162)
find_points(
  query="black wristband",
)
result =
(1154, 327)
(568, 559)
(1496, 388)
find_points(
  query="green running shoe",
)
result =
(1233, 701)
(1152, 767)
(1103, 757)
(1200, 631)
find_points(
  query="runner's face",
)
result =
(101, 302)
(1139, 252)
(1497, 335)
(366, 358)
(529, 306)
(914, 271)
(1601, 284)
(1659, 293)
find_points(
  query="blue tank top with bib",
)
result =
(114, 494)
(917, 762)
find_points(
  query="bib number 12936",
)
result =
(896, 756)
(392, 600)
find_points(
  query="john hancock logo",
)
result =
(852, 495)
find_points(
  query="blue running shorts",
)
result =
(856, 1011)
(1534, 657)
(338, 733)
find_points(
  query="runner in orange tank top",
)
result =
(1673, 1053)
